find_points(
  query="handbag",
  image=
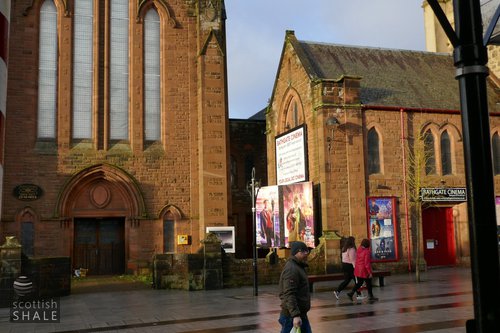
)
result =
(295, 330)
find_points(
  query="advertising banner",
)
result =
(298, 213)
(267, 210)
(285, 214)
(291, 157)
(382, 228)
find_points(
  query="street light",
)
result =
(470, 57)
(253, 188)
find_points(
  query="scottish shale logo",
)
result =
(28, 309)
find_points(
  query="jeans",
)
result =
(287, 324)
(348, 270)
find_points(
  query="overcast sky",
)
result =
(256, 30)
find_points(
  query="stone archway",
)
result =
(100, 206)
(97, 181)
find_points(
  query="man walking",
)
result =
(294, 291)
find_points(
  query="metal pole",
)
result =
(254, 228)
(470, 56)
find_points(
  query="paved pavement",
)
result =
(441, 303)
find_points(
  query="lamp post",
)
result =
(470, 57)
(253, 189)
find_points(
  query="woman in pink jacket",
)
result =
(363, 270)
(348, 262)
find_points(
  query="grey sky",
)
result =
(256, 30)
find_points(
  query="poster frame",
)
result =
(290, 137)
(390, 224)
(222, 234)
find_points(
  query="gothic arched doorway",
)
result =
(101, 204)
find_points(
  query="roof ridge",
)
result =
(371, 47)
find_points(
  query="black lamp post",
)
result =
(470, 57)
(253, 189)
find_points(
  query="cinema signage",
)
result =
(443, 194)
(291, 156)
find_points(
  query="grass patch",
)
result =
(146, 279)
(118, 279)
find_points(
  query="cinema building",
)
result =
(378, 125)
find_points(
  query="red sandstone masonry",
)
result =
(167, 174)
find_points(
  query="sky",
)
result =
(255, 31)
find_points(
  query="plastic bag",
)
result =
(295, 330)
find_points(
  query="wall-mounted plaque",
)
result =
(28, 192)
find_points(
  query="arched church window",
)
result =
(28, 238)
(47, 71)
(429, 153)
(294, 116)
(373, 151)
(446, 166)
(83, 70)
(152, 75)
(118, 71)
(168, 235)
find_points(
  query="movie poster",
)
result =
(298, 214)
(382, 228)
(268, 217)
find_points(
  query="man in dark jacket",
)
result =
(294, 291)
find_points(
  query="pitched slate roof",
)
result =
(261, 115)
(389, 77)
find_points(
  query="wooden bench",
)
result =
(340, 276)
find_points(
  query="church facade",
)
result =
(117, 138)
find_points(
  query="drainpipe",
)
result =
(405, 196)
(348, 176)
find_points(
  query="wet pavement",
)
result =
(441, 303)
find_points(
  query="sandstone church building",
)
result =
(117, 134)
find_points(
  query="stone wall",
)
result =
(51, 276)
(197, 271)
(10, 269)
(178, 271)
(240, 272)
(217, 269)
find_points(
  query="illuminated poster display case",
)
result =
(382, 228)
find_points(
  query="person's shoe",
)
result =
(336, 293)
(350, 296)
(372, 298)
(360, 297)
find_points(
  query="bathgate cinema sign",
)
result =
(443, 194)
(291, 156)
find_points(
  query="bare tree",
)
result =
(420, 162)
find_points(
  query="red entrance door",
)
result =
(439, 236)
